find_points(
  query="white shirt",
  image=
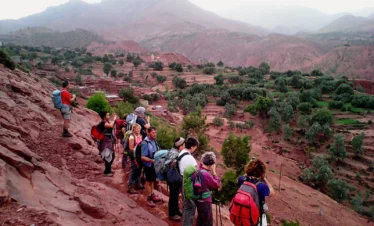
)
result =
(187, 160)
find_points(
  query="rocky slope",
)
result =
(47, 180)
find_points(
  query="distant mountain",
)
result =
(130, 19)
(293, 18)
(349, 23)
(371, 16)
(40, 36)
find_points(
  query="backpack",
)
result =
(194, 184)
(171, 171)
(160, 159)
(245, 206)
(138, 152)
(130, 120)
(97, 132)
(56, 99)
(119, 125)
(126, 138)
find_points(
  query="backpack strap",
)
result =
(184, 154)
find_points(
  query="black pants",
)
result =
(175, 189)
(204, 214)
(108, 165)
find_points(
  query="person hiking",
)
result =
(207, 169)
(121, 136)
(106, 146)
(135, 138)
(66, 100)
(185, 159)
(144, 122)
(255, 172)
(175, 187)
(149, 147)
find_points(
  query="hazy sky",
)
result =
(14, 9)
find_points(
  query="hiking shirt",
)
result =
(142, 123)
(65, 97)
(262, 188)
(211, 183)
(149, 147)
(187, 160)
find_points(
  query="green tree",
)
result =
(357, 203)
(78, 80)
(264, 68)
(235, 152)
(209, 70)
(178, 68)
(218, 121)
(6, 60)
(121, 62)
(293, 100)
(337, 149)
(123, 108)
(357, 142)
(219, 79)
(338, 189)
(113, 73)
(316, 73)
(322, 116)
(275, 120)
(230, 110)
(344, 89)
(172, 65)
(220, 64)
(228, 182)
(161, 78)
(136, 62)
(305, 108)
(194, 123)
(303, 121)
(287, 132)
(179, 82)
(159, 66)
(129, 57)
(319, 173)
(288, 113)
(281, 85)
(98, 103)
(262, 106)
(313, 131)
(105, 58)
(128, 95)
(107, 68)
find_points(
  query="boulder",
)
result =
(91, 206)
(24, 167)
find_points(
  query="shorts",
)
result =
(150, 174)
(66, 112)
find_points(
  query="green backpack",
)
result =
(194, 186)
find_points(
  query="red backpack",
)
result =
(119, 125)
(245, 206)
(97, 133)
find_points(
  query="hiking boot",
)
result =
(155, 198)
(66, 134)
(139, 186)
(108, 175)
(175, 218)
(150, 203)
(131, 190)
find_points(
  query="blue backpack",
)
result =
(160, 158)
(56, 99)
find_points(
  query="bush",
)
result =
(338, 189)
(336, 105)
(264, 68)
(153, 74)
(281, 85)
(344, 89)
(337, 149)
(235, 79)
(136, 62)
(172, 65)
(6, 60)
(288, 113)
(217, 121)
(158, 66)
(128, 95)
(151, 98)
(357, 142)
(303, 121)
(319, 173)
(229, 181)
(305, 108)
(262, 106)
(220, 64)
(179, 83)
(275, 120)
(209, 70)
(322, 116)
(123, 108)
(113, 73)
(121, 62)
(107, 68)
(98, 103)
(161, 78)
(316, 73)
(287, 132)
(313, 131)
(219, 79)
(178, 68)
(235, 152)
(289, 223)
(230, 111)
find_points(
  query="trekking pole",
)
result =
(220, 215)
(216, 214)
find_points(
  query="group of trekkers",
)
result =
(196, 180)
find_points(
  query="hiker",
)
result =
(106, 146)
(121, 136)
(148, 147)
(144, 122)
(66, 99)
(175, 187)
(186, 159)
(134, 139)
(256, 173)
(211, 182)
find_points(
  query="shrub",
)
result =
(179, 83)
(151, 98)
(235, 79)
(219, 79)
(121, 62)
(281, 85)
(338, 189)
(275, 120)
(293, 100)
(153, 74)
(209, 70)
(303, 121)
(128, 95)
(228, 182)
(98, 103)
(322, 116)
(235, 152)
(217, 121)
(313, 131)
(289, 223)
(6, 60)
(287, 132)
(230, 110)
(319, 173)
(336, 104)
(288, 113)
(220, 64)
(305, 108)
(357, 142)
(264, 68)
(123, 108)
(178, 68)
(262, 106)
(337, 149)
(158, 66)
(136, 62)
(161, 78)
(316, 73)
(344, 89)
(107, 68)
(113, 73)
